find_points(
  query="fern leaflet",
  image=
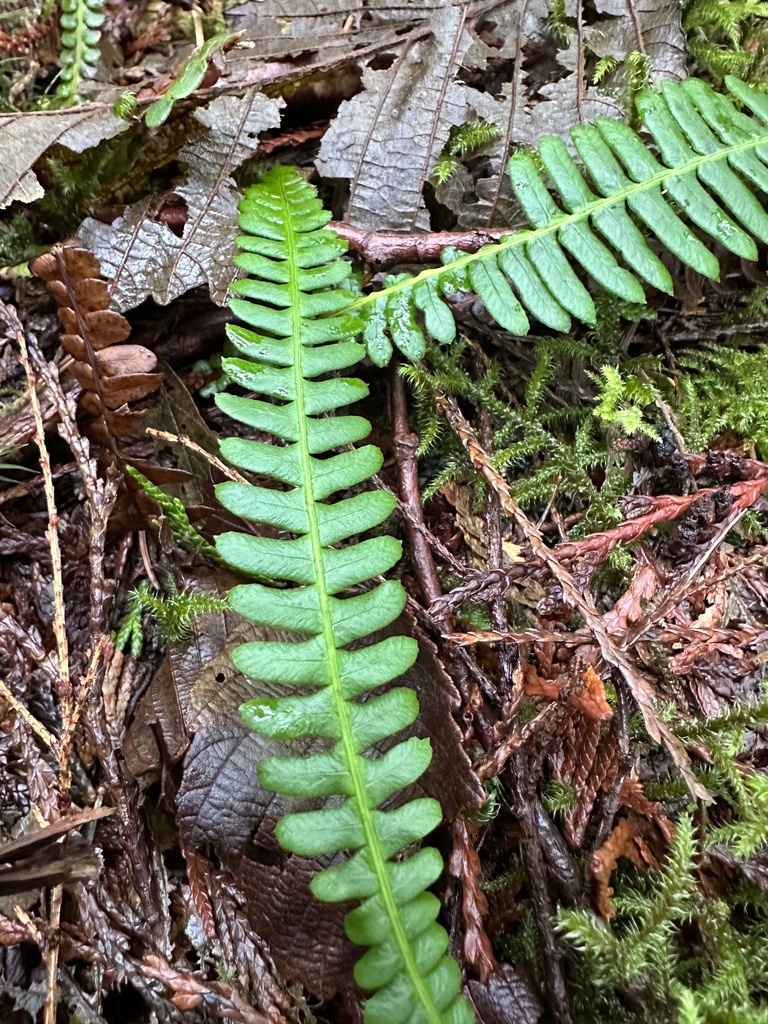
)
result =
(710, 157)
(293, 302)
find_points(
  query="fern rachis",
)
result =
(293, 297)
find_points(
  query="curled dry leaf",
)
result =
(113, 375)
(507, 998)
(633, 797)
(25, 136)
(589, 699)
(632, 838)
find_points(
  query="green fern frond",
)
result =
(124, 106)
(81, 22)
(710, 158)
(296, 337)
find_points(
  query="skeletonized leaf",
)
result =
(386, 139)
(24, 137)
(649, 26)
(280, 27)
(144, 257)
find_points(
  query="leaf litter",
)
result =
(532, 672)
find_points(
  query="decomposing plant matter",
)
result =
(558, 231)
(113, 375)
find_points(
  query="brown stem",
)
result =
(517, 783)
(387, 247)
(405, 445)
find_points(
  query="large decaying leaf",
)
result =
(24, 137)
(387, 138)
(652, 27)
(281, 27)
(525, 110)
(145, 258)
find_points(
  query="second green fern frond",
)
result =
(296, 337)
(710, 158)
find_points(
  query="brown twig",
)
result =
(37, 727)
(405, 444)
(639, 687)
(388, 247)
(65, 690)
(228, 471)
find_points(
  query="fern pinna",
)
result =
(293, 302)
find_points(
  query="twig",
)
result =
(52, 956)
(639, 687)
(638, 27)
(228, 471)
(387, 247)
(66, 694)
(84, 691)
(405, 443)
(101, 493)
(37, 727)
(521, 788)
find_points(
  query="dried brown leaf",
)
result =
(386, 139)
(653, 27)
(26, 135)
(628, 839)
(590, 699)
(143, 257)
(280, 27)
(629, 606)
(507, 998)
(115, 374)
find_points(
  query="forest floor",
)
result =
(582, 512)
